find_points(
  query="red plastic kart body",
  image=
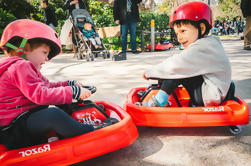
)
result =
(160, 46)
(227, 114)
(76, 149)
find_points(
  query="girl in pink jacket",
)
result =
(25, 93)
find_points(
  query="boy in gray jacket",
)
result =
(202, 67)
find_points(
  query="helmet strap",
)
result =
(20, 49)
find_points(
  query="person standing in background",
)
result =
(246, 11)
(49, 15)
(74, 4)
(126, 13)
(71, 5)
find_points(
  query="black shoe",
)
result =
(105, 123)
(136, 52)
(247, 48)
(119, 57)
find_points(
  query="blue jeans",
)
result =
(131, 26)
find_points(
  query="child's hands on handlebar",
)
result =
(85, 93)
(77, 83)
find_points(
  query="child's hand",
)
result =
(144, 76)
(85, 93)
(78, 84)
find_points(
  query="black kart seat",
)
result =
(231, 92)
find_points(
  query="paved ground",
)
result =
(206, 146)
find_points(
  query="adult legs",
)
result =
(74, 42)
(132, 27)
(124, 33)
(247, 33)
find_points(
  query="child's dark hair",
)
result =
(34, 43)
(196, 24)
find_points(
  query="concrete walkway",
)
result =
(205, 146)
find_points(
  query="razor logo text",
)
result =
(42, 149)
(215, 109)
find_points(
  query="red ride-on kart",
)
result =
(115, 130)
(161, 46)
(233, 112)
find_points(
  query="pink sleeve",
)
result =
(33, 86)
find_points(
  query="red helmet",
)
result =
(195, 11)
(30, 29)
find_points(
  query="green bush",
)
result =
(161, 21)
(101, 13)
(5, 19)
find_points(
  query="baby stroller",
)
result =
(85, 48)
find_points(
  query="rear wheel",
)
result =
(87, 56)
(92, 56)
(106, 54)
(79, 55)
(235, 130)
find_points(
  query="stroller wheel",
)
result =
(108, 54)
(87, 57)
(79, 56)
(92, 56)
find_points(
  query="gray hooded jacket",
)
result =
(205, 57)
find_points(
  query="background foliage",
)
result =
(102, 13)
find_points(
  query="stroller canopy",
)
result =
(81, 13)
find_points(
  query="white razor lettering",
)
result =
(42, 149)
(214, 109)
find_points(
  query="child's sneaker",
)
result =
(151, 103)
(154, 103)
(52, 139)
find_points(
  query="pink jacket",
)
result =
(23, 87)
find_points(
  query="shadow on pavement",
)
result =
(134, 153)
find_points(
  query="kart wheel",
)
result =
(235, 130)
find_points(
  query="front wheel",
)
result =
(235, 130)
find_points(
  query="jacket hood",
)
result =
(7, 62)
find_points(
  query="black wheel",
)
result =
(235, 130)
(108, 55)
(79, 55)
(92, 56)
(87, 57)
(104, 55)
